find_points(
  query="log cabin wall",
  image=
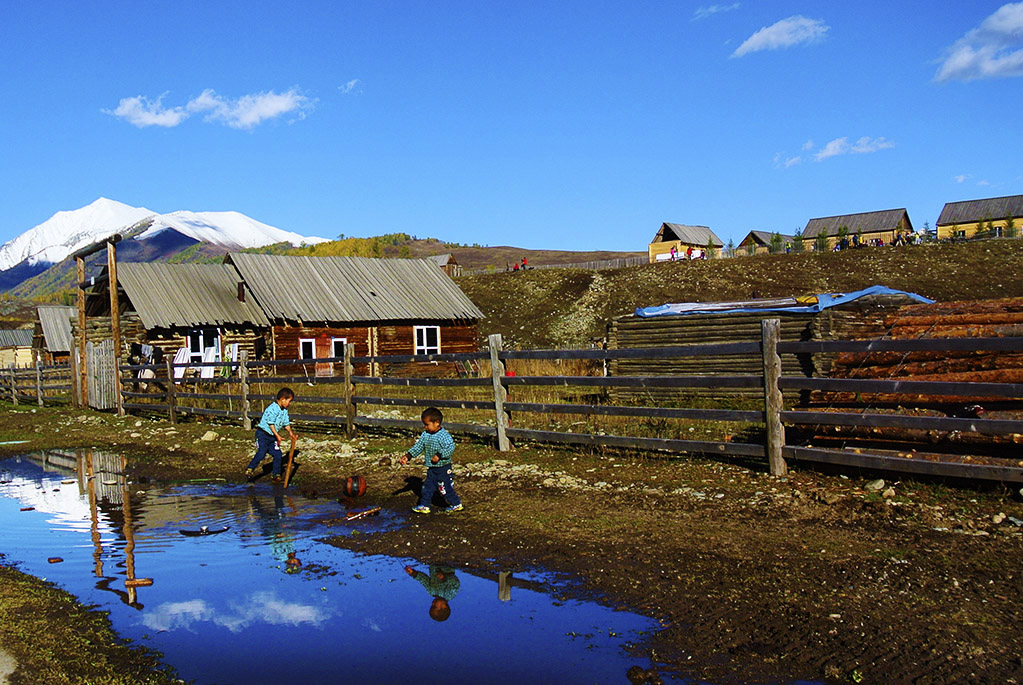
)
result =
(357, 336)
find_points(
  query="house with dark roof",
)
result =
(318, 306)
(52, 338)
(995, 216)
(682, 237)
(759, 242)
(868, 228)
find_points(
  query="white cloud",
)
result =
(141, 112)
(792, 161)
(245, 112)
(842, 146)
(962, 178)
(992, 50)
(784, 34)
(704, 12)
(351, 86)
(985, 182)
(807, 146)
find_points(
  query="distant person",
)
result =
(268, 439)
(442, 583)
(788, 248)
(689, 252)
(516, 267)
(436, 446)
(674, 253)
(524, 262)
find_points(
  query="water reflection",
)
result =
(217, 601)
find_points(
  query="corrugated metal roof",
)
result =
(352, 288)
(442, 259)
(16, 337)
(56, 325)
(866, 222)
(691, 235)
(970, 211)
(173, 295)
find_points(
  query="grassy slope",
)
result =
(544, 308)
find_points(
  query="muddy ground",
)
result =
(754, 578)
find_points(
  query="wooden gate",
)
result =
(102, 374)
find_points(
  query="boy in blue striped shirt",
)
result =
(267, 438)
(436, 445)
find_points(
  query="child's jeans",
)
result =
(439, 478)
(265, 442)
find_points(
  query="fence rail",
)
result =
(35, 384)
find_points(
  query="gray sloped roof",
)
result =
(442, 259)
(178, 295)
(16, 337)
(352, 288)
(764, 237)
(970, 211)
(867, 222)
(56, 325)
(692, 235)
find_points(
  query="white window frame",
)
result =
(424, 348)
(311, 341)
(201, 335)
(333, 348)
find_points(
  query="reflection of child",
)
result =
(436, 445)
(442, 583)
(267, 437)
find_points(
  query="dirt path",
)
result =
(754, 578)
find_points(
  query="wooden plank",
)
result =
(653, 444)
(903, 387)
(913, 345)
(115, 320)
(349, 371)
(715, 350)
(903, 465)
(171, 389)
(83, 391)
(411, 402)
(640, 381)
(243, 380)
(651, 412)
(773, 401)
(452, 382)
(497, 374)
(941, 423)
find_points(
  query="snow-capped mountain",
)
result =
(65, 232)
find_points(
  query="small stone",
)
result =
(136, 435)
(998, 518)
(875, 485)
(209, 436)
(138, 423)
(384, 461)
(889, 493)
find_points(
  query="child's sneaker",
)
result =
(453, 509)
(249, 473)
(420, 509)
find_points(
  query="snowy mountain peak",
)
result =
(67, 231)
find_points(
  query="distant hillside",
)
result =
(569, 307)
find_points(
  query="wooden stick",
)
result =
(291, 459)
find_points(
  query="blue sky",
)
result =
(561, 125)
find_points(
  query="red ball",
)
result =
(355, 486)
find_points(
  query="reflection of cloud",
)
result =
(262, 607)
(372, 625)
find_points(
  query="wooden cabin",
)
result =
(52, 339)
(865, 228)
(447, 263)
(16, 347)
(759, 242)
(682, 237)
(168, 307)
(993, 216)
(318, 306)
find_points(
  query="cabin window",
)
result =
(307, 348)
(199, 339)
(427, 339)
(337, 347)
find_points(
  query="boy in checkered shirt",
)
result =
(436, 446)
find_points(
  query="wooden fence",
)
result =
(769, 386)
(37, 384)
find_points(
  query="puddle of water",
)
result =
(235, 607)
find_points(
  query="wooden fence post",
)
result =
(349, 393)
(773, 402)
(171, 400)
(39, 382)
(14, 387)
(500, 393)
(243, 378)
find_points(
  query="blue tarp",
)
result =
(824, 301)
